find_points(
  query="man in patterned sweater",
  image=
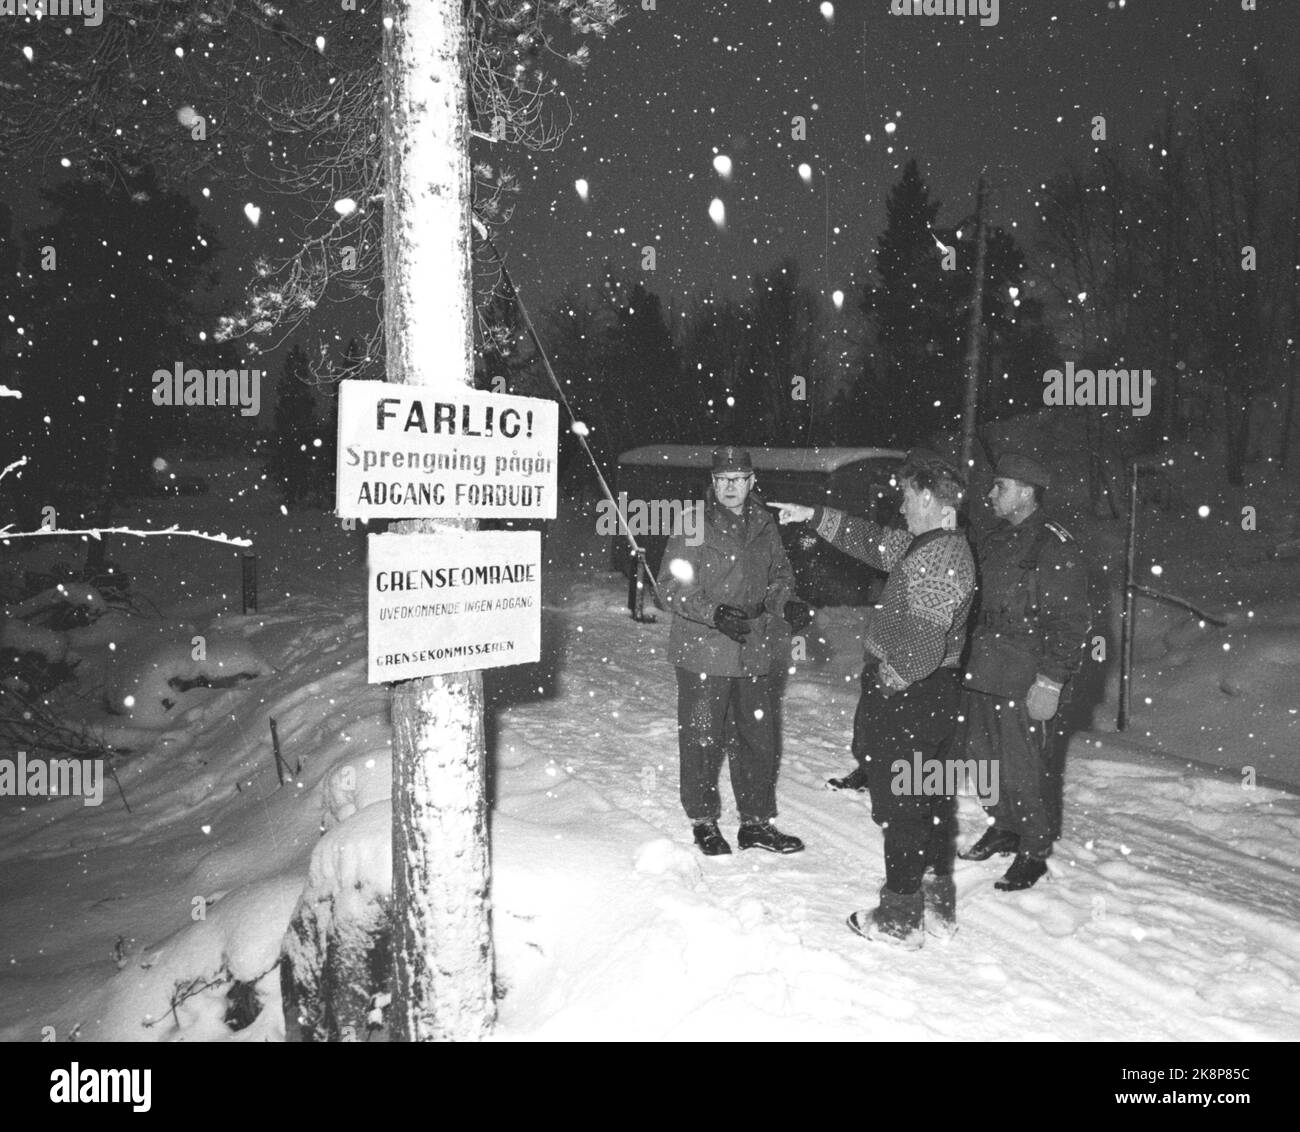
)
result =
(911, 686)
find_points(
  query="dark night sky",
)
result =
(672, 87)
(669, 89)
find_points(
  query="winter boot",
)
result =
(1024, 873)
(854, 780)
(994, 841)
(764, 835)
(899, 920)
(710, 840)
(940, 906)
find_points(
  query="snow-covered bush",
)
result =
(153, 689)
(337, 962)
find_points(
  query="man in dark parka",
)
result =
(732, 597)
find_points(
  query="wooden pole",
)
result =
(974, 337)
(1293, 349)
(1130, 601)
(249, 578)
(275, 748)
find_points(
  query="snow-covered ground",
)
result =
(1172, 910)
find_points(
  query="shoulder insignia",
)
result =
(1059, 531)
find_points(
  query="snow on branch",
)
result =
(96, 532)
(16, 464)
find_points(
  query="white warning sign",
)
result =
(453, 602)
(414, 452)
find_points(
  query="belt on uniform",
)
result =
(995, 619)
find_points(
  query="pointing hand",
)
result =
(792, 512)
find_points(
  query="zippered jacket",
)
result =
(739, 561)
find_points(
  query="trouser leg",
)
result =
(752, 757)
(1046, 740)
(905, 840)
(864, 717)
(701, 741)
(941, 845)
(1055, 742)
(898, 730)
(1031, 758)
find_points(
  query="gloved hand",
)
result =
(1043, 699)
(798, 614)
(731, 621)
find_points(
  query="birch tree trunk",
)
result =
(443, 945)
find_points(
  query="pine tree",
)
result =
(784, 329)
(910, 310)
(715, 352)
(910, 382)
(645, 357)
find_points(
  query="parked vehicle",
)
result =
(859, 480)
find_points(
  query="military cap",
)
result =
(1018, 466)
(732, 460)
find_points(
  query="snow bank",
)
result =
(236, 940)
(21, 637)
(152, 690)
(354, 784)
(1226, 697)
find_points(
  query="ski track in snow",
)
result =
(1153, 925)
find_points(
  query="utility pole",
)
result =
(1294, 348)
(974, 336)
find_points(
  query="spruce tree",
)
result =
(910, 312)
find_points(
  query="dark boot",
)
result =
(854, 780)
(710, 840)
(1024, 873)
(994, 841)
(764, 835)
(940, 906)
(899, 920)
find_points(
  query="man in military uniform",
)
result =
(1029, 640)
